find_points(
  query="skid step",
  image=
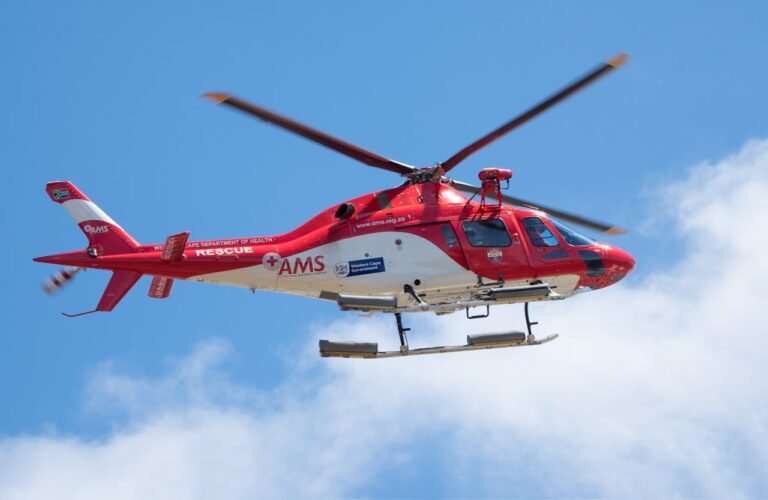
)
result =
(342, 349)
(366, 303)
(330, 349)
(496, 338)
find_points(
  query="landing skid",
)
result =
(370, 350)
(329, 349)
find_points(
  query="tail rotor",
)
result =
(59, 279)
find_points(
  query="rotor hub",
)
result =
(426, 174)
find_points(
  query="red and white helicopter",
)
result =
(420, 246)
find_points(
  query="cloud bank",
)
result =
(653, 390)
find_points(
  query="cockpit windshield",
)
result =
(571, 236)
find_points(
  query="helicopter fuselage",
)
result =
(448, 248)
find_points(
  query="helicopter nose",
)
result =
(618, 263)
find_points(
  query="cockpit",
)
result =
(558, 244)
(541, 236)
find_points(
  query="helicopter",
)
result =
(431, 244)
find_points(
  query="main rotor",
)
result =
(437, 173)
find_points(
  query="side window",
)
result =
(538, 233)
(487, 233)
(448, 235)
(383, 199)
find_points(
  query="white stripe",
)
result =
(82, 210)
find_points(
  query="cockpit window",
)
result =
(487, 233)
(571, 236)
(539, 234)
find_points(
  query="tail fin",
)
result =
(118, 286)
(104, 235)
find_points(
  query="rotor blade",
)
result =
(59, 279)
(326, 140)
(536, 110)
(568, 217)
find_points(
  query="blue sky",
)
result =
(107, 96)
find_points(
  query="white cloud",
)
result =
(195, 439)
(653, 390)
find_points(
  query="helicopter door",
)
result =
(492, 250)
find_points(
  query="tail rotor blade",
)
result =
(59, 279)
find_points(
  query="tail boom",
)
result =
(111, 248)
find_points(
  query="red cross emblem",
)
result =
(272, 261)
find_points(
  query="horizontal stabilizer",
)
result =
(160, 288)
(174, 247)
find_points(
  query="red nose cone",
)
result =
(618, 263)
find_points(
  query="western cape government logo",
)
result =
(359, 267)
(341, 269)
